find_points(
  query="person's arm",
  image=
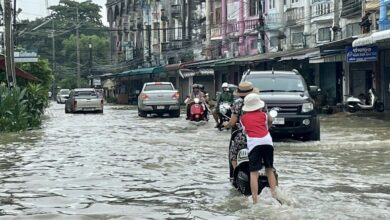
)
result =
(269, 120)
(232, 121)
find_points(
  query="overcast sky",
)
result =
(37, 8)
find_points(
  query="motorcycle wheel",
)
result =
(379, 107)
(352, 110)
(243, 183)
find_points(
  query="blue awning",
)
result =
(141, 71)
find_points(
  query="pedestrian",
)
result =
(255, 123)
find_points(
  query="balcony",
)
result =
(164, 16)
(274, 21)
(294, 15)
(216, 33)
(251, 25)
(176, 11)
(174, 45)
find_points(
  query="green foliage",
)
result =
(37, 100)
(41, 70)
(69, 81)
(13, 109)
(21, 109)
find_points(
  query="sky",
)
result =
(32, 9)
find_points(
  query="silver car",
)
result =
(159, 98)
(62, 95)
(84, 100)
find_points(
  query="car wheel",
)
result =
(316, 134)
(100, 111)
(141, 113)
(175, 114)
(66, 110)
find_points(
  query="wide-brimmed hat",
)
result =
(252, 102)
(245, 88)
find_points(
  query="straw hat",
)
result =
(245, 88)
(252, 102)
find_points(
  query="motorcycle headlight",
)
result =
(307, 107)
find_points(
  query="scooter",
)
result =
(197, 111)
(225, 113)
(355, 104)
(240, 176)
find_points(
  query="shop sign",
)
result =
(362, 54)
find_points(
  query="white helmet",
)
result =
(225, 85)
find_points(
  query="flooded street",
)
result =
(120, 166)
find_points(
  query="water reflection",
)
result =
(119, 166)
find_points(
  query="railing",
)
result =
(164, 46)
(294, 15)
(251, 25)
(176, 10)
(216, 32)
(174, 45)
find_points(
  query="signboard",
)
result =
(96, 82)
(362, 54)
(25, 57)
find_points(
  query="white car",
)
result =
(62, 95)
(84, 100)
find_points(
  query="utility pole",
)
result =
(261, 28)
(9, 44)
(53, 55)
(78, 47)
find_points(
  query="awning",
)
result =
(19, 72)
(204, 63)
(301, 54)
(372, 39)
(328, 58)
(142, 71)
(372, 5)
(186, 73)
(172, 67)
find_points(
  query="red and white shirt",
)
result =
(255, 126)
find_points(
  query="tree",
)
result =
(41, 70)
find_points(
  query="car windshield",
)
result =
(277, 84)
(64, 92)
(85, 94)
(154, 87)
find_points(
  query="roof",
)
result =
(273, 72)
(84, 89)
(18, 72)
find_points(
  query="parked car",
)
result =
(287, 92)
(84, 100)
(159, 98)
(62, 95)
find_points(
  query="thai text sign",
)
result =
(362, 54)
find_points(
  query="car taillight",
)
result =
(144, 96)
(176, 96)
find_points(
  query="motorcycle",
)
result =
(225, 113)
(240, 176)
(197, 112)
(354, 104)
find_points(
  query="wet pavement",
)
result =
(119, 166)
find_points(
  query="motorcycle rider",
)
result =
(206, 100)
(255, 123)
(196, 93)
(225, 96)
(238, 139)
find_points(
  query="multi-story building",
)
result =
(153, 32)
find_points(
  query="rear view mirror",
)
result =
(314, 89)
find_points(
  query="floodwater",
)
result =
(119, 166)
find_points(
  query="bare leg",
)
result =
(254, 185)
(271, 180)
(234, 164)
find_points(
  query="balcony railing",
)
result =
(251, 25)
(174, 45)
(293, 15)
(216, 32)
(176, 11)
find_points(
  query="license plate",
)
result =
(88, 109)
(160, 107)
(278, 121)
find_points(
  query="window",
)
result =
(294, 1)
(253, 44)
(155, 87)
(284, 2)
(253, 7)
(324, 34)
(271, 4)
(297, 38)
(353, 29)
(156, 28)
(274, 42)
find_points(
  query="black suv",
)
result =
(287, 91)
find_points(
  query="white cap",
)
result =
(225, 85)
(252, 102)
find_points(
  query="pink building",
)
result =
(234, 27)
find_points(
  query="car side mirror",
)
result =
(314, 89)
(67, 97)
